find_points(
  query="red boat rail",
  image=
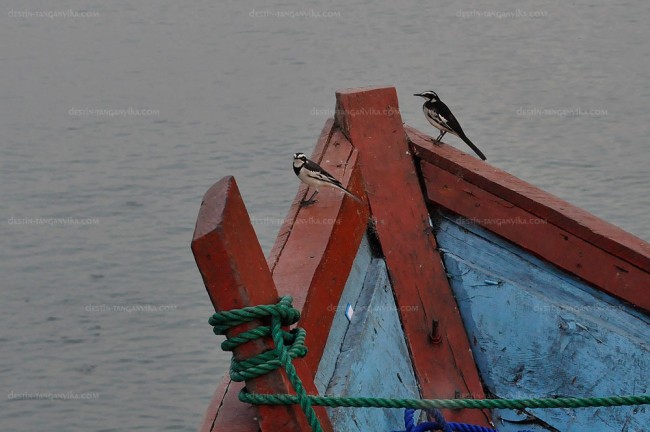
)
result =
(401, 175)
(603, 255)
(235, 273)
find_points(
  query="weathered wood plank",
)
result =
(213, 409)
(540, 332)
(236, 275)
(374, 359)
(580, 223)
(324, 240)
(231, 403)
(292, 214)
(340, 323)
(220, 418)
(560, 247)
(370, 119)
(316, 246)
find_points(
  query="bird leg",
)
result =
(442, 133)
(310, 201)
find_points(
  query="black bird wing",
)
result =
(433, 117)
(447, 117)
(316, 172)
(445, 114)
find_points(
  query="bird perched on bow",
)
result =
(441, 117)
(310, 173)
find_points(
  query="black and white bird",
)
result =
(441, 117)
(310, 173)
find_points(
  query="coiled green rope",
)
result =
(282, 314)
(289, 345)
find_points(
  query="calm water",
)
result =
(117, 116)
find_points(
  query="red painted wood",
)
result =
(285, 229)
(236, 275)
(540, 203)
(231, 403)
(370, 119)
(213, 408)
(318, 254)
(321, 264)
(218, 416)
(596, 266)
(234, 416)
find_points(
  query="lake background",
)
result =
(116, 117)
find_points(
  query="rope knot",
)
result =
(288, 345)
(291, 344)
(268, 361)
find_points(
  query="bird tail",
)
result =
(339, 186)
(471, 144)
(356, 198)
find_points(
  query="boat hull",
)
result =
(452, 279)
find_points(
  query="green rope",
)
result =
(364, 402)
(289, 345)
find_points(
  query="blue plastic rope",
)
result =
(440, 424)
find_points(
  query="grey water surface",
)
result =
(116, 116)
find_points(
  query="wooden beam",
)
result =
(316, 246)
(314, 269)
(370, 119)
(580, 223)
(231, 403)
(213, 409)
(325, 237)
(292, 214)
(236, 275)
(218, 417)
(605, 271)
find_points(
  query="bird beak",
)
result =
(417, 94)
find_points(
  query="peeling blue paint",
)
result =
(540, 332)
(340, 323)
(368, 355)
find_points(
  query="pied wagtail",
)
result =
(441, 117)
(310, 173)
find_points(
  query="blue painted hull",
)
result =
(535, 332)
(367, 355)
(449, 279)
(539, 332)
